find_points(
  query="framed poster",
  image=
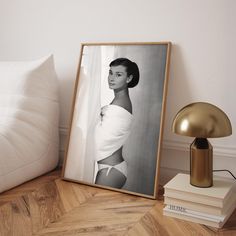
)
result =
(117, 117)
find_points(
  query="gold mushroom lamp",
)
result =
(201, 120)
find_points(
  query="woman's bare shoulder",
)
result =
(125, 103)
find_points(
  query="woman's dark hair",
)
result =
(131, 68)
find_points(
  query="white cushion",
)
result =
(29, 114)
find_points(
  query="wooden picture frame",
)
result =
(117, 117)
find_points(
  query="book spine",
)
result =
(194, 198)
(192, 219)
(195, 206)
(188, 212)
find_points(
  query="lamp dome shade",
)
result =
(202, 120)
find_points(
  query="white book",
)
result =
(199, 218)
(197, 214)
(213, 210)
(218, 195)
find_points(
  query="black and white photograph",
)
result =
(117, 117)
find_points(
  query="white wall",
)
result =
(203, 65)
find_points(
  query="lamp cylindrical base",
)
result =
(201, 163)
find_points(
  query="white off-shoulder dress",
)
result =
(111, 133)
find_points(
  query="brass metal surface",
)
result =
(201, 163)
(202, 120)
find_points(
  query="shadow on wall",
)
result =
(179, 90)
(173, 160)
(67, 85)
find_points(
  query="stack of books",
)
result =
(209, 206)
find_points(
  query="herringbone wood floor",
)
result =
(51, 206)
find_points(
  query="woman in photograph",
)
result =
(115, 123)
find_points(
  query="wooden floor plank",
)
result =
(49, 206)
(29, 186)
(104, 213)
